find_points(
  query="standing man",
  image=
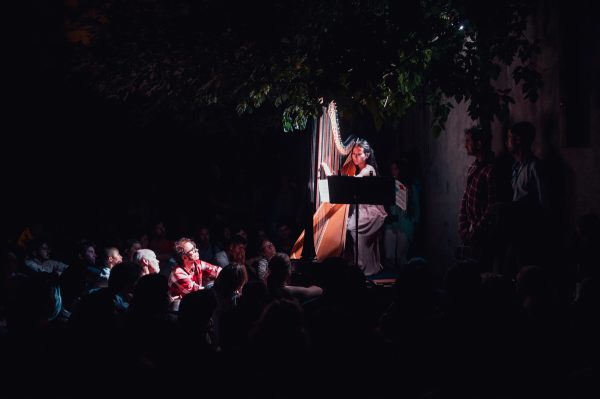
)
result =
(530, 201)
(475, 217)
(526, 179)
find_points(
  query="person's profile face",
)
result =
(395, 170)
(154, 266)
(90, 255)
(469, 144)
(190, 252)
(238, 252)
(268, 249)
(43, 252)
(512, 142)
(115, 258)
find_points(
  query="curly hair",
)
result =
(180, 248)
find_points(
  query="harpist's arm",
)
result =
(367, 171)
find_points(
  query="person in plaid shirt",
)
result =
(480, 194)
(190, 274)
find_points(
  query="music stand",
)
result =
(363, 190)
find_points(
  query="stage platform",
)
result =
(384, 278)
(308, 272)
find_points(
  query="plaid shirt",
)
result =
(478, 200)
(181, 282)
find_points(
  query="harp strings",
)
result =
(332, 151)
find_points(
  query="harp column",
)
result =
(308, 250)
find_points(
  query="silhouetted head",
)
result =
(478, 141)
(150, 295)
(520, 136)
(463, 283)
(123, 277)
(280, 269)
(196, 310)
(231, 280)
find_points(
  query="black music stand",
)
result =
(363, 190)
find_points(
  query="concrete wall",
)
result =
(444, 167)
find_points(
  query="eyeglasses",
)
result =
(191, 250)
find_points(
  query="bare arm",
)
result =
(304, 293)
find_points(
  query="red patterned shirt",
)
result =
(182, 282)
(478, 200)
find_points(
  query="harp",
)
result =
(330, 154)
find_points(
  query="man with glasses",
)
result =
(190, 274)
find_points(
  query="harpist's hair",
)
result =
(364, 144)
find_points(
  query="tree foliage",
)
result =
(379, 56)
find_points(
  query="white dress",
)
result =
(370, 222)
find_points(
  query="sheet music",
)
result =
(323, 190)
(401, 195)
